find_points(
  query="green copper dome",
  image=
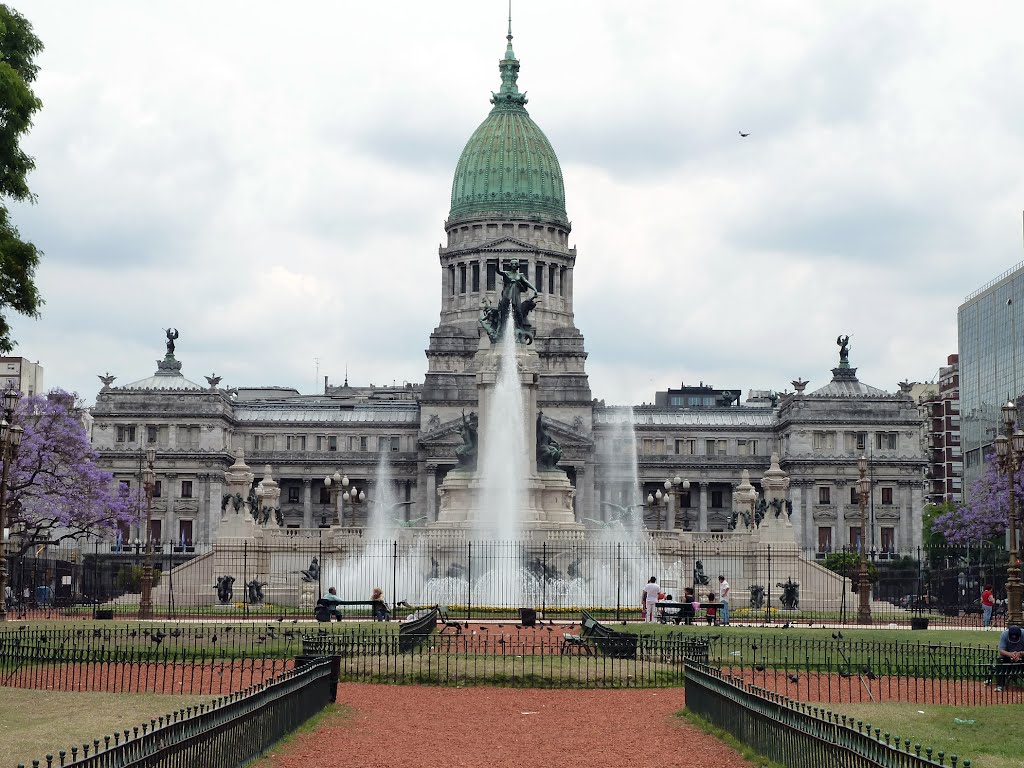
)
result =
(508, 168)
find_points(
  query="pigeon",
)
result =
(794, 679)
(759, 667)
(501, 626)
(743, 135)
(714, 637)
(80, 632)
(175, 632)
(753, 647)
(484, 629)
(133, 633)
(870, 675)
(843, 673)
(786, 625)
(837, 635)
(280, 619)
(213, 639)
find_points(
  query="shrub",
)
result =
(129, 578)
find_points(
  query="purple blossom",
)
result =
(55, 490)
(986, 514)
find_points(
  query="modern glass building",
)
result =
(991, 361)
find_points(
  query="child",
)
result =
(712, 612)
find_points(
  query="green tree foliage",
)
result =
(847, 563)
(18, 257)
(932, 536)
(129, 578)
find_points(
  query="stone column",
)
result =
(307, 502)
(201, 525)
(431, 507)
(702, 507)
(215, 491)
(670, 508)
(842, 526)
(170, 531)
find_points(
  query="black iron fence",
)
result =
(799, 734)
(285, 577)
(158, 659)
(232, 730)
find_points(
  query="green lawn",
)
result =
(34, 723)
(994, 739)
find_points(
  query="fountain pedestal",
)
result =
(544, 496)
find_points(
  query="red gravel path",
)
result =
(413, 726)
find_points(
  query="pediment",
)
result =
(508, 244)
(446, 433)
(566, 434)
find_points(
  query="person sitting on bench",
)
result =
(327, 606)
(1011, 655)
(669, 614)
(381, 612)
(688, 612)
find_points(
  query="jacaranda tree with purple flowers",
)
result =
(986, 514)
(56, 491)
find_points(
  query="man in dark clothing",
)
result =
(1011, 653)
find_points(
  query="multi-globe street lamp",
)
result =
(10, 441)
(338, 485)
(678, 486)
(1010, 453)
(149, 486)
(863, 580)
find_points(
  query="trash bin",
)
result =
(919, 622)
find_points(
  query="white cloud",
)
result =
(274, 182)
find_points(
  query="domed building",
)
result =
(508, 202)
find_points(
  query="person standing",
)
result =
(988, 603)
(649, 599)
(1011, 653)
(724, 592)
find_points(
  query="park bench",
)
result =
(1013, 672)
(413, 631)
(680, 616)
(326, 609)
(607, 641)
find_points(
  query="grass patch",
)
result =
(995, 740)
(34, 723)
(746, 752)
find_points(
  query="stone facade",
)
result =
(515, 211)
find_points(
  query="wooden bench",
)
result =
(607, 641)
(413, 631)
(325, 609)
(1011, 671)
(664, 617)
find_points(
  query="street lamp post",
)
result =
(863, 582)
(657, 500)
(1010, 452)
(678, 486)
(149, 485)
(338, 484)
(10, 440)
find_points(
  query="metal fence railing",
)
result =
(798, 734)
(232, 730)
(279, 579)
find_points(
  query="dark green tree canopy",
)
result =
(18, 257)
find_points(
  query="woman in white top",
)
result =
(649, 598)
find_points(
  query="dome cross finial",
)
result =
(509, 53)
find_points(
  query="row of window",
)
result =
(855, 441)
(465, 278)
(687, 446)
(158, 488)
(825, 495)
(886, 539)
(351, 443)
(185, 435)
(183, 537)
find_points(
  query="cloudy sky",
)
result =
(272, 179)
